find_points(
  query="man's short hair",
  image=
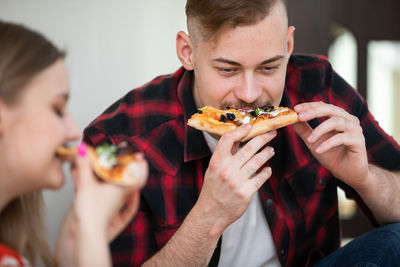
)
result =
(206, 17)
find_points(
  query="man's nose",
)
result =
(249, 91)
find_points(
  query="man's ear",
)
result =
(184, 50)
(1, 116)
(290, 40)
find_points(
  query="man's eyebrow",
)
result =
(227, 61)
(273, 59)
(234, 63)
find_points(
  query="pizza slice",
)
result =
(217, 121)
(117, 164)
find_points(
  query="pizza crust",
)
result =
(210, 125)
(66, 153)
(265, 126)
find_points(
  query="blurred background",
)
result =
(362, 40)
(114, 46)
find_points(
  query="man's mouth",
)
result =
(247, 107)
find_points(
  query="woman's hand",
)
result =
(100, 211)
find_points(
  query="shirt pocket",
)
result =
(314, 190)
(164, 217)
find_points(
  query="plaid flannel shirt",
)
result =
(300, 198)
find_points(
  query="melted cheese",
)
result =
(246, 120)
(105, 162)
(274, 113)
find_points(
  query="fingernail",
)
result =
(271, 149)
(302, 115)
(298, 107)
(82, 149)
(319, 149)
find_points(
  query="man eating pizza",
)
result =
(270, 201)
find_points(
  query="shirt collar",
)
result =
(195, 146)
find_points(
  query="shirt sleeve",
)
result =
(382, 149)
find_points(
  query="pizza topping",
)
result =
(124, 149)
(246, 120)
(107, 155)
(259, 111)
(276, 112)
(222, 118)
(269, 108)
(253, 114)
(230, 116)
(241, 116)
(219, 121)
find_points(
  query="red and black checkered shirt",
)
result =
(299, 200)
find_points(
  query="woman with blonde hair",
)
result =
(34, 122)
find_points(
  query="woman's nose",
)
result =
(73, 131)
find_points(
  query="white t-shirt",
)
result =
(247, 241)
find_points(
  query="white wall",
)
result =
(383, 61)
(113, 46)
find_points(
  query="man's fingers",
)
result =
(257, 162)
(312, 110)
(227, 141)
(303, 130)
(351, 142)
(248, 151)
(335, 124)
(258, 180)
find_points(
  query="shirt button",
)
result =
(322, 181)
(283, 252)
(270, 202)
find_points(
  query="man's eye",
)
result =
(226, 70)
(268, 68)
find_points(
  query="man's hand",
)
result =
(231, 179)
(229, 184)
(338, 143)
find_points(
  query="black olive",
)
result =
(230, 116)
(222, 118)
(269, 108)
(200, 111)
(253, 114)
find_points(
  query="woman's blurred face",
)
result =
(33, 127)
